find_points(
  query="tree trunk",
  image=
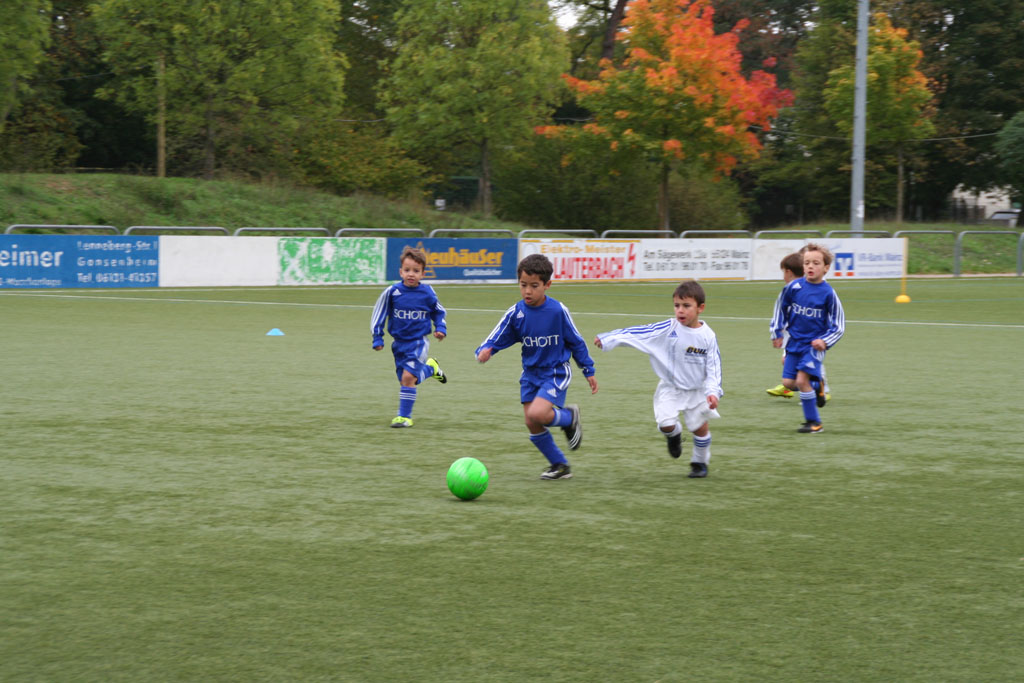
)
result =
(608, 45)
(663, 204)
(209, 147)
(9, 99)
(899, 184)
(484, 183)
(161, 119)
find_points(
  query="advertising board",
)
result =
(70, 261)
(458, 260)
(214, 261)
(854, 258)
(330, 260)
(577, 260)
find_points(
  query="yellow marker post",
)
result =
(903, 298)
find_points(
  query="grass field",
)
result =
(186, 498)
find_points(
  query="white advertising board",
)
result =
(579, 260)
(644, 259)
(211, 261)
(703, 259)
(855, 258)
(582, 260)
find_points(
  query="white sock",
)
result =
(702, 448)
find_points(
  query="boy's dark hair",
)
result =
(536, 264)
(794, 263)
(690, 289)
(826, 255)
(415, 254)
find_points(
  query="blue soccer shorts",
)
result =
(550, 384)
(809, 360)
(412, 356)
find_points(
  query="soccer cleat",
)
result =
(559, 471)
(811, 428)
(780, 390)
(675, 445)
(574, 432)
(401, 422)
(438, 372)
(820, 397)
(698, 470)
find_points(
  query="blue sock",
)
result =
(545, 443)
(406, 399)
(810, 406)
(563, 417)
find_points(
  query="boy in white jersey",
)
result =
(810, 311)
(684, 355)
(548, 335)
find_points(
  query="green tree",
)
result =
(367, 36)
(575, 182)
(1010, 147)
(237, 77)
(802, 171)
(899, 103)
(476, 72)
(24, 35)
(345, 157)
(67, 81)
(974, 53)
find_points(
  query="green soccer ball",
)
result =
(467, 478)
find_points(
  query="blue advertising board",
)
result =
(65, 261)
(459, 259)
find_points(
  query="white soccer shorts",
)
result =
(692, 403)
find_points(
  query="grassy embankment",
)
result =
(123, 201)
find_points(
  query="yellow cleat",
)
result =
(780, 391)
(401, 422)
(438, 372)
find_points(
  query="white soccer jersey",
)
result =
(687, 358)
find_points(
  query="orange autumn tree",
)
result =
(679, 94)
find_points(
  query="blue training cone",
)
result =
(275, 333)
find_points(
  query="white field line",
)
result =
(653, 316)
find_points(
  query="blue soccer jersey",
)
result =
(547, 334)
(808, 311)
(408, 312)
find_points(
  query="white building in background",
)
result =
(986, 202)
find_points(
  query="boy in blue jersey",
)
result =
(549, 337)
(409, 307)
(809, 310)
(792, 266)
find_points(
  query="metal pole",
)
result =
(859, 120)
